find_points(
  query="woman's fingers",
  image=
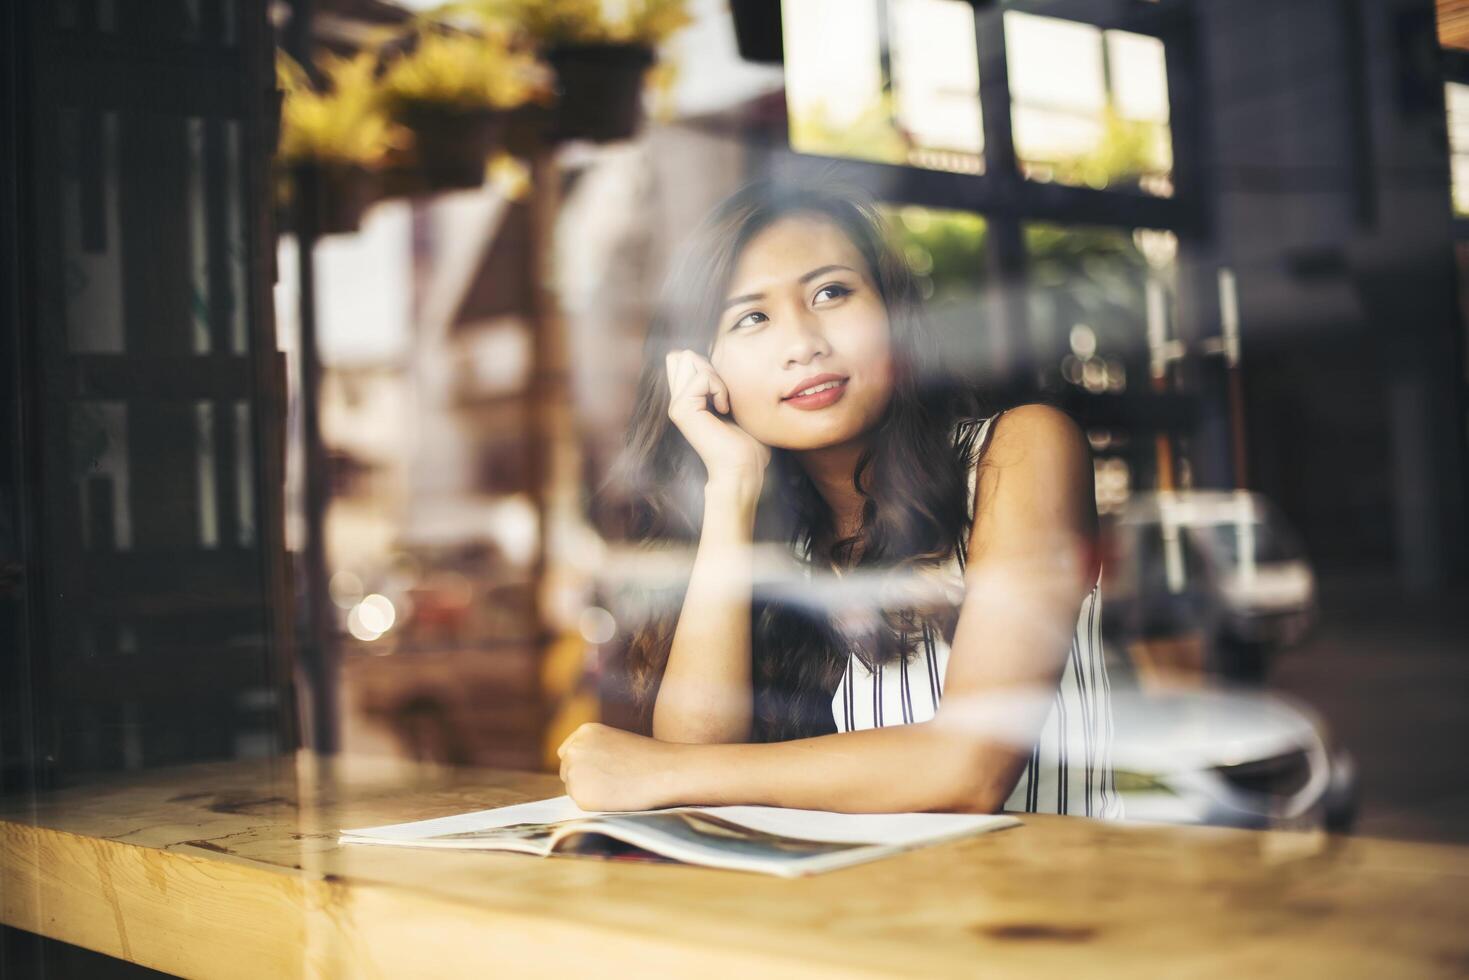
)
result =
(710, 385)
(719, 392)
(691, 380)
(699, 405)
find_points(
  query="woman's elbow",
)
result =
(972, 798)
(700, 732)
(975, 784)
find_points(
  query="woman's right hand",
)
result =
(696, 393)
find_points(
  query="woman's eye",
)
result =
(835, 288)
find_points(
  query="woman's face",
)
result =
(803, 312)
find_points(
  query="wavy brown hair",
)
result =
(912, 475)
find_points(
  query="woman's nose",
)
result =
(807, 339)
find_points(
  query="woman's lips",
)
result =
(819, 399)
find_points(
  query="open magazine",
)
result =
(764, 839)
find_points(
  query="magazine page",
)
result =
(551, 811)
(821, 825)
(773, 840)
(695, 836)
(902, 829)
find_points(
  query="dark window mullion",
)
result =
(994, 98)
(1155, 19)
(1007, 310)
(1186, 129)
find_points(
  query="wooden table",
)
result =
(232, 870)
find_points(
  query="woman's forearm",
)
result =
(900, 769)
(705, 695)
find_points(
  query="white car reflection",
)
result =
(1232, 758)
(1222, 562)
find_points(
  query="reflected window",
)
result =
(1102, 324)
(835, 93)
(1088, 107)
(1088, 306)
(919, 105)
(1456, 98)
(947, 252)
(935, 69)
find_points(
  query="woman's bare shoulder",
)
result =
(1035, 483)
(1036, 434)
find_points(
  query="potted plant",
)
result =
(332, 140)
(454, 91)
(600, 52)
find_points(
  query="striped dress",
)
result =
(1070, 766)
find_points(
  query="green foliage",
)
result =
(1060, 254)
(945, 246)
(871, 136)
(1128, 149)
(466, 71)
(552, 22)
(342, 124)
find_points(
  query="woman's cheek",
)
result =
(749, 410)
(743, 397)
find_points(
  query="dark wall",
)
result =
(16, 720)
(1329, 183)
(144, 596)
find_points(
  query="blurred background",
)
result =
(322, 320)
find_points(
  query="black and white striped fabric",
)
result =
(1070, 767)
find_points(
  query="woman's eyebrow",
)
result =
(733, 300)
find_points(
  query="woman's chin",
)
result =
(806, 436)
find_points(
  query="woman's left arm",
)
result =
(1032, 560)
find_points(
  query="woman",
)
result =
(791, 392)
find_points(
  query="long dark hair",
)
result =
(912, 475)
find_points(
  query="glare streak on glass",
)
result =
(235, 238)
(1157, 321)
(1244, 525)
(1229, 315)
(244, 474)
(208, 492)
(199, 293)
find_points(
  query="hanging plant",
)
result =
(332, 141)
(601, 90)
(454, 90)
(600, 50)
(552, 23)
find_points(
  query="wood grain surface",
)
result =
(233, 870)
